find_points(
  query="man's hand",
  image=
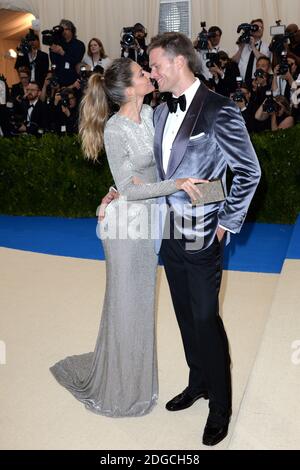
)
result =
(57, 49)
(66, 111)
(252, 43)
(108, 198)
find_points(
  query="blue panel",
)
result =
(258, 248)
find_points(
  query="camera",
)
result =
(259, 73)
(53, 81)
(238, 96)
(53, 36)
(84, 77)
(203, 37)
(270, 106)
(65, 101)
(127, 37)
(248, 30)
(284, 66)
(279, 38)
(213, 58)
(25, 46)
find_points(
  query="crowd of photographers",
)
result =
(263, 80)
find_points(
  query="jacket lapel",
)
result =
(158, 137)
(182, 138)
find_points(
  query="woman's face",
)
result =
(94, 47)
(141, 83)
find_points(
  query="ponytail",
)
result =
(93, 117)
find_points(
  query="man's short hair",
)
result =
(215, 29)
(259, 20)
(175, 44)
(33, 82)
(264, 57)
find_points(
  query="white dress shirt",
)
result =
(202, 69)
(30, 109)
(263, 49)
(104, 63)
(174, 122)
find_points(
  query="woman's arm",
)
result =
(260, 115)
(123, 172)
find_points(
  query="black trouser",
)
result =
(194, 280)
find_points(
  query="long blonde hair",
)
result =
(94, 108)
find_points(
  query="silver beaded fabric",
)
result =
(120, 377)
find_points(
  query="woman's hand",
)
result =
(189, 186)
(108, 198)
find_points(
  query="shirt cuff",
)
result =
(225, 228)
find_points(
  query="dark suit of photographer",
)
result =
(36, 61)
(67, 55)
(33, 111)
(64, 112)
(224, 75)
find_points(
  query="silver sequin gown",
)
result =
(120, 377)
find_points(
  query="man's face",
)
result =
(293, 65)
(24, 78)
(139, 34)
(260, 32)
(72, 100)
(215, 41)
(34, 44)
(32, 92)
(263, 64)
(67, 34)
(163, 70)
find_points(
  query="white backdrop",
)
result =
(105, 18)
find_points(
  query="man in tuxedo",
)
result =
(35, 60)
(199, 133)
(33, 110)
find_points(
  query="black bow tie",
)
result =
(173, 102)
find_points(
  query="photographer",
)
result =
(33, 110)
(18, 89)
(137, 49)
(67, 54)
(294, 46)
(224, 75)
(249, 52)
(276, 113)
(285, 74)
(96, 55)
(35, 60)
(50, 87)
(4, 115)
(65, 112)
(214, 35)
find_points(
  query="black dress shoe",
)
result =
(185, 400)
(214, 432)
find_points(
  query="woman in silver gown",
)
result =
(120, 377)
